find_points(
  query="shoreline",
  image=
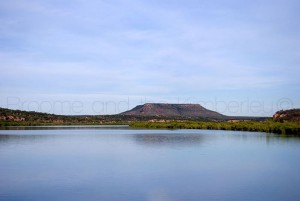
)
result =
(285, 128)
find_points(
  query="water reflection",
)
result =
(168, 139)
(140, 137)
(5, 138)
(123, 164)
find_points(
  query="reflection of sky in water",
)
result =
(167, 139)
(125, 164)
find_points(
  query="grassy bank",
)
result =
(289, 128)
(266, 126)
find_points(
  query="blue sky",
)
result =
(104, 57)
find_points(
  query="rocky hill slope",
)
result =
(292, 115)
(173, 110)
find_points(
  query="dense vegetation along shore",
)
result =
(270, 126)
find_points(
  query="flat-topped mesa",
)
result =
(173, 110)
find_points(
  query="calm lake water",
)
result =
(111, 164)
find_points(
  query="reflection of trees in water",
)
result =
(169, 139)
(281, 139)
(23, 138)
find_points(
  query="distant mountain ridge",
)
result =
(173, 110)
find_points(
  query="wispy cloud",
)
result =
(143, 48)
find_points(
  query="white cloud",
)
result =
(147, 48)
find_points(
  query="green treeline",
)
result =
(270, 126)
